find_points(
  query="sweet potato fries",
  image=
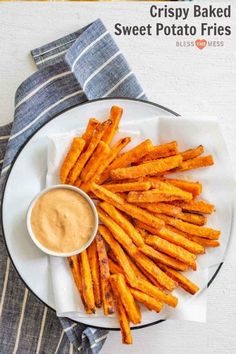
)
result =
(152, 227)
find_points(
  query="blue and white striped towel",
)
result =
(82, 66)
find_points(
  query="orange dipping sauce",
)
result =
(62, 220)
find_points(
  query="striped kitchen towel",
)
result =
(82, 66)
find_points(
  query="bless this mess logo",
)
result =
(200, 43)
(209, 32)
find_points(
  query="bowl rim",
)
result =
(37, 242)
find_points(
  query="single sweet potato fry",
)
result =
(102, 150)
(111, 129)
(75, 270)
(73, 154)
(192, 153)
(197, 162)
(126, 187)
(131, 307)
(172, 250)
(160, 151)
(162, 192)
(192, 218)
(107, 298)
(148, 168)
(84, 157)
(150, 302)
(161, 208)
(121, 204)
(141, 215)
(195, 188)
(95, 272)
(119, 254)
(123, 222)
(75, 267)
(103, 173)
(192, 187)
(155, 196)
(183, 282)
(87, 283)
(142, 225)
(87, 136)
(200, 240)
(204, 241)
(162, 258)
(196, 206)
(195, 230)
(122, 315)
(151, 290)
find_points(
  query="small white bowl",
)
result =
(35, 240)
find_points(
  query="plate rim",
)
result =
(3, 196)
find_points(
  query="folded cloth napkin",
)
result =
(82, 66)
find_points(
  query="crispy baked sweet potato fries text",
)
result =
(152, 227)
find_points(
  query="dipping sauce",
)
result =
(62, 220)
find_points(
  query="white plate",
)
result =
(27, 178)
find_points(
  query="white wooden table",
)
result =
(186, 80)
